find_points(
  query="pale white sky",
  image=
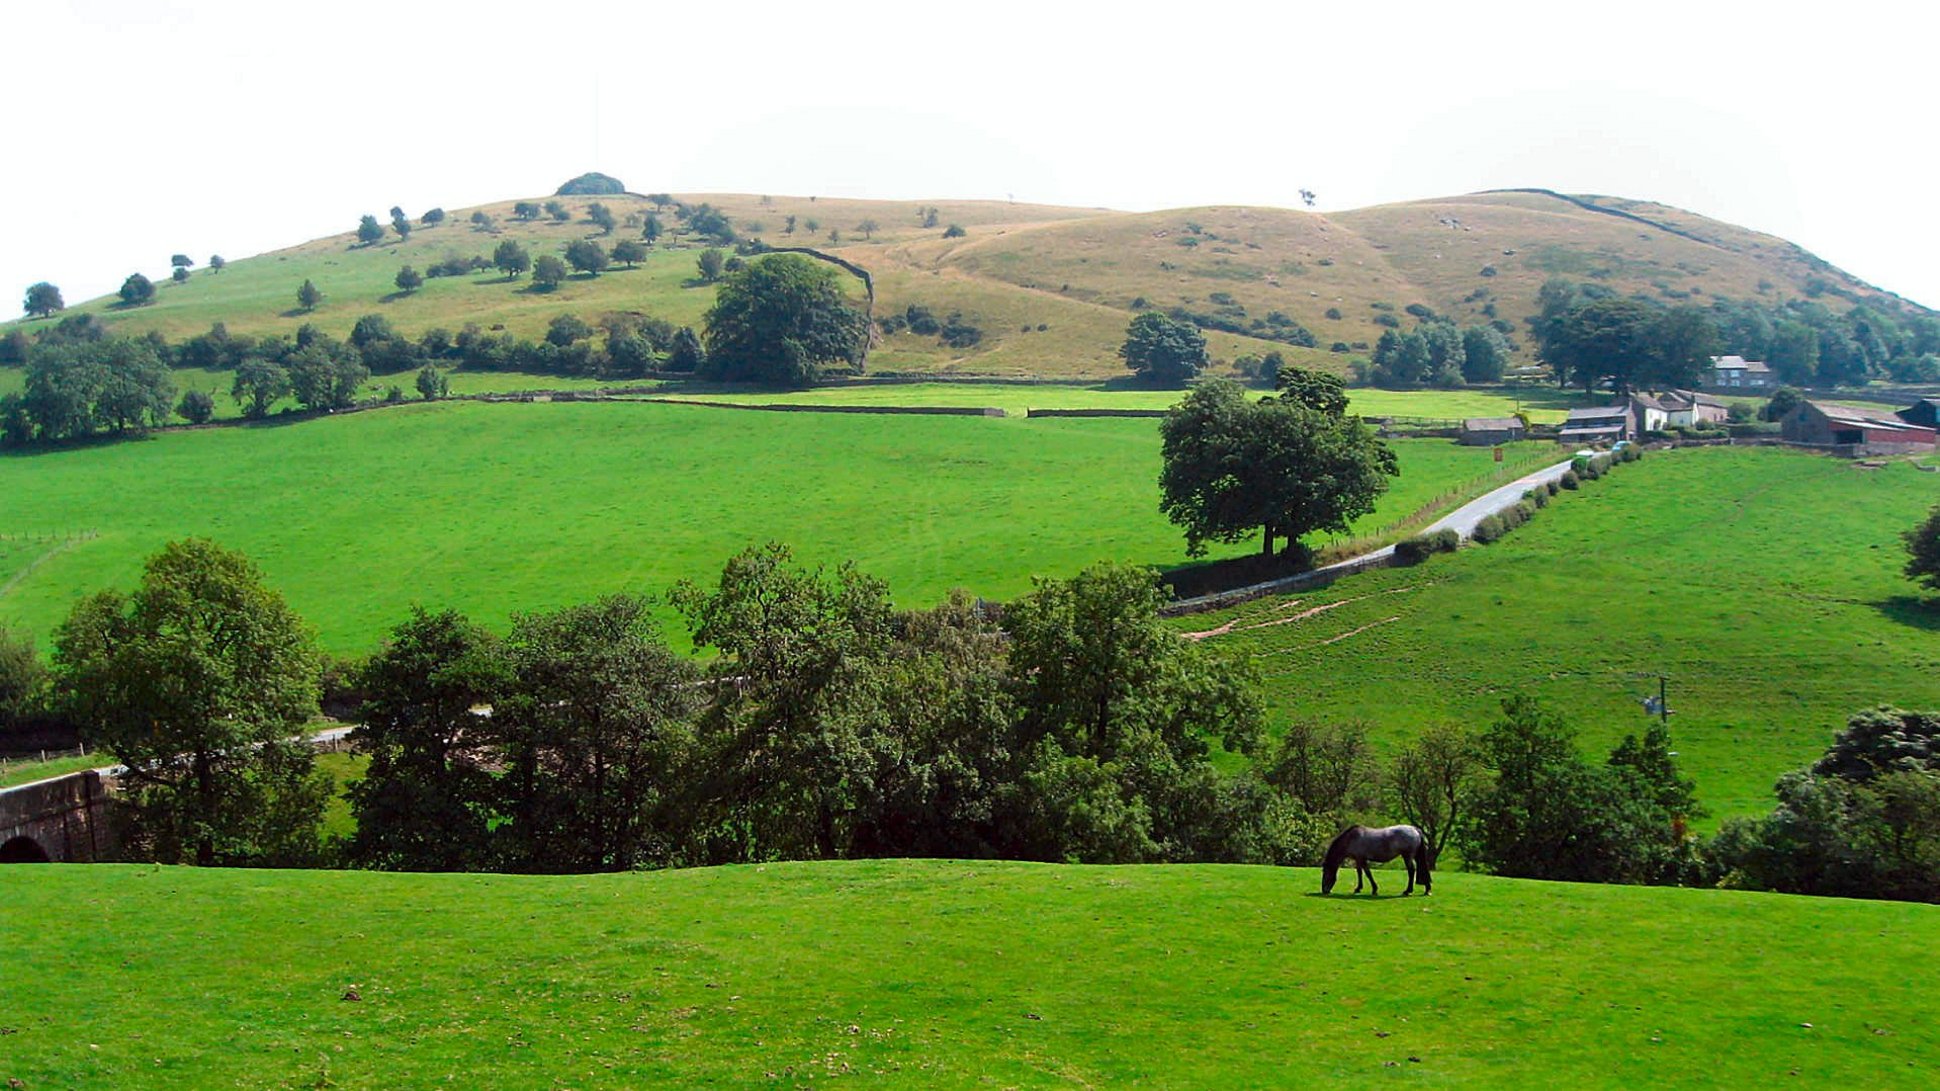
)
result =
(144, 128)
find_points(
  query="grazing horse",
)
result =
(1365, 845)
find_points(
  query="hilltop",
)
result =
(1050, 288)
(948, 974)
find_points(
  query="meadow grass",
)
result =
(499, 508)
(1766, 583)
(946, 974)
(21, 771)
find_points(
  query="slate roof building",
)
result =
(1598, 424)
(1738, 373)
(1489, 431)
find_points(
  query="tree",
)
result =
(868, 228)
(686, 354)
(432, 216)
(601, 217)
(629, 251)
(548, 272)
(326, 375)
(1780, 405)
(402, 226)
(1163, 351)
(564, 329)
(408, 279)
(425, 802)
(200, 683)
(180, 275)
(511, 259)
(558, 211)
(370, 329)
(587, 256)
(216, 262)
(1545, 813)
(1320, 391)
(780, 320)
(137, 290)
(954, 231)
(1485, 352)
(1283, 467)
(592, 731)
(181, 261)
(710, 263)
(660, 200)
(43, 299)
(652, 229)
(259, 383)
(308, 296)
(1430, 780)
(197, 406)
(1115, 714)
(525, 210)
(1923, 552)
(432, 383)
(23, 680)
(369, 230)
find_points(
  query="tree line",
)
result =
(818, 721)
(1589, 335)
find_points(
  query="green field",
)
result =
(946, 974)
(1765, 582)
(497, 508)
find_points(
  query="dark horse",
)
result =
(1366, 845)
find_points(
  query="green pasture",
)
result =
(499, 508)
(18, 771)
(1766, 583)
(947, 974)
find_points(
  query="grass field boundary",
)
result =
(60, 545)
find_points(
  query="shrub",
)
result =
(1423, 546)
(1489, 529)
(1333, 313)
(1488, 270)
(1538, 497)
(1550, 486)
(1569, 480)
(1420, 310)
(1387, 320)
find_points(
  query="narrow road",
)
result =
(1462, 520)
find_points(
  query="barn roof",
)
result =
(1865, 417)
(1600, 412)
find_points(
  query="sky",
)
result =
(139, 130)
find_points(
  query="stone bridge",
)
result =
(61, 819)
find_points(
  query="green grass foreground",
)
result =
(500, 508)
(1765, 582)
(946, 974)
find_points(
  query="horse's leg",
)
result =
(1360, 869)
(1408, 861)
(1372, 886)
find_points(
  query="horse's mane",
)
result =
(1338, 849)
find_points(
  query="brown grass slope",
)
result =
(1051, 287)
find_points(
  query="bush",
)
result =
(1538, 497)
(1423, 546)
(1569, 480)
(1489, 529)
(1333, 313)
(1551, 487)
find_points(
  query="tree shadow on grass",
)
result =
(1913, 611)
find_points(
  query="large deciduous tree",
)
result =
(1628, 343)
(511, 259)
(586, 256)
(782, 320)
(369, 230)
(42, 300)
(1280, 466)
(200, 683)
(1163, 351)
(425, 803)
(137, 290)
(1923, 551)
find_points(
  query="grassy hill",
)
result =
(1765, 582)
(946, 974)
(498, 508)
(1051, 287)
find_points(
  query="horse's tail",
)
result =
(1425, 863)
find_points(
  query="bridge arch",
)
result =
(23, 850)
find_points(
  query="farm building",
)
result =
(1489, 431)
(1738, 373)
(1677, 409)
(1853, 430)
(1607, 423)
(1925, 413)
